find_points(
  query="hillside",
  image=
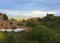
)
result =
(20, 19)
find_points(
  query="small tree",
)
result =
(5, 17)
(23, 20)
(30, 23)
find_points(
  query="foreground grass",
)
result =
(13, 37)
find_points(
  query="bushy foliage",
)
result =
(42, 34)
(51, 21)
(10, 39)
(30, 23)
(5, 17)
(1, 36)
(23, 37)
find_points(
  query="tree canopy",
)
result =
(5, 17)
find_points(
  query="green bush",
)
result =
(5, 17)
(42, 34)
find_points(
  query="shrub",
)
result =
(1, 36)
(42, 34)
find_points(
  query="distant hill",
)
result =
(20, 19)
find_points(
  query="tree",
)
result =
(50, 17)
(23, 20)
(30, 23)
(5, 17)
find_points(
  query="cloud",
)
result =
(30, 4)
(39, 13)
(26, 14)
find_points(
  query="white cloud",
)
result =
(15, 13)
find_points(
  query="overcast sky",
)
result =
(29, 8)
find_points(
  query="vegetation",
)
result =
(23, 20)
(30, 23)
(1, 36)
(19, 24)
(42, 34)
(44, 30)
(51, 21)
(5, 17)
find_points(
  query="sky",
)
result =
(29, 8)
